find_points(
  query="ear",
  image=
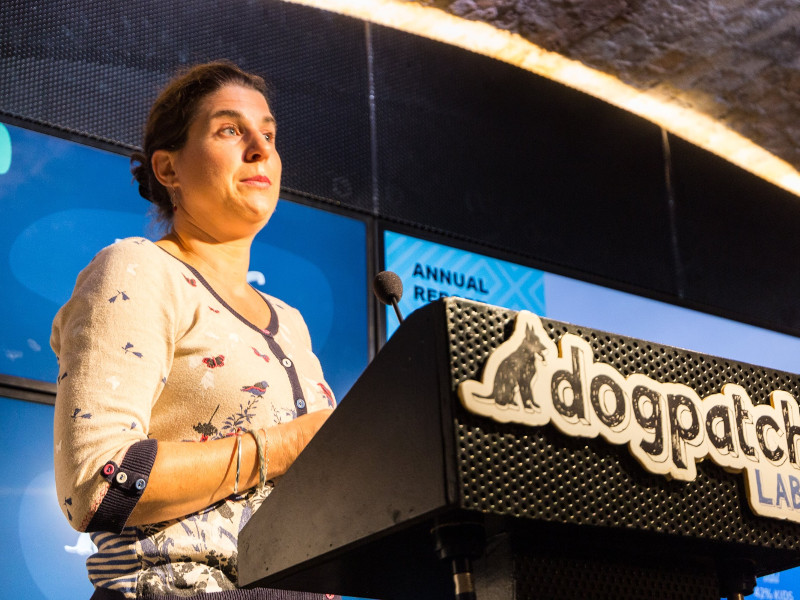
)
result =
(164, 168)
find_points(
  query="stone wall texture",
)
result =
(735, 60)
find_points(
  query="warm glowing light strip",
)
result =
(683, 121)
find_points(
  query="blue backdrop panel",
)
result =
(43, 557)
(63, 202)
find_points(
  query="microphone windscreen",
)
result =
(387, 286)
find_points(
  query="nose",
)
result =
(258, 148)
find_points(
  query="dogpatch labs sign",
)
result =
(666, 426)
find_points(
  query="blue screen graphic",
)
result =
(5, 150)
(429, 271)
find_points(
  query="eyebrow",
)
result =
(235, 114)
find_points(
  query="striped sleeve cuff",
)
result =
(127, 483)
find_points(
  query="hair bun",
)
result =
(144, 191)
(141, 174)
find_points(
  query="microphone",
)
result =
(388, 289)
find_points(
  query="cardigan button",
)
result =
(121, 477)
(140, 484)
(300, 403)
(286, 363)
(108, 469)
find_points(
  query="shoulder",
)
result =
(130, 258)
(128, 267)
(133, 248)
(130, 281)
(283, 309)
(278, 304)
(290, 320)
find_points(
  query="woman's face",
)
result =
(228, 174)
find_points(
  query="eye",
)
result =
(229, 130)
(269, 136)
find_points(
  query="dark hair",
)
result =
(169, 119)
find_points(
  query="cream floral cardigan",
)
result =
(148, 352)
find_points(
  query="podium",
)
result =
(404, 480)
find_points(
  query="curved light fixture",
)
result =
(653, 105)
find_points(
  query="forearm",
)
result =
(189, 476)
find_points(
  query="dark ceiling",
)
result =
(736, 61)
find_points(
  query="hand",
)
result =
(310, 423)
(295, 435)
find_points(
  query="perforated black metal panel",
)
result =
(541, 474)
(556, 578)
(483, 149)
(92, 68)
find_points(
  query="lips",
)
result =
(258, 179)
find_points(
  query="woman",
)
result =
(182, 390)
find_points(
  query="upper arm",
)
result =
(114, 343)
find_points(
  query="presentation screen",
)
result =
(430, 270)
(63, 202)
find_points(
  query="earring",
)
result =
(174, 201)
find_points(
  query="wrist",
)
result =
(262, 455)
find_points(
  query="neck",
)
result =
(225, 262)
